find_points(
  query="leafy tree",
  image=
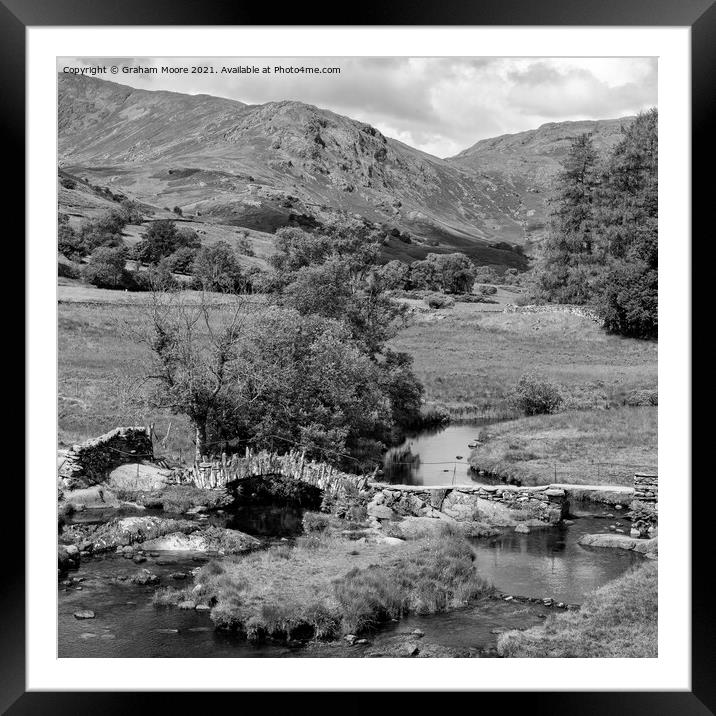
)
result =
(162, 239)
(394, 275)
(454, 273)
(217, 269)
(106, 268)
(304, 382)
(423, 276)
(69, 243)
(182, 260)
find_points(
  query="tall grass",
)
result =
(618, 620)
(326, 586)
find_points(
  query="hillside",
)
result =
(526, 163)
(261, 167)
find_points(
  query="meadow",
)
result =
(582, 447)
(468, 359)
(472, 356)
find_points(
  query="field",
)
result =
(587, 447)
(101, 367)
(472, 357)
(467, 357)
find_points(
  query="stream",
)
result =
(438, 456)
(544, 563)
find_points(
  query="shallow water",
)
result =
(544, 563)
(442, 457)
(550, 562)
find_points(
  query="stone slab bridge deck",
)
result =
(548, 503)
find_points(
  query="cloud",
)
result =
(438, 105)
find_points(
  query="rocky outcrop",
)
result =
(90, 463)
(161, 534)
(211, 539)
(647, 547)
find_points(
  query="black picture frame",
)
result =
(699, 15)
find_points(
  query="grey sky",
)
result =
(439, 105)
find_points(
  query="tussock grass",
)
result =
(618, 620)
(326, 586)
(580, 447)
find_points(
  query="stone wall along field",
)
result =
(90, 462)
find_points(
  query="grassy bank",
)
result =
(470, 359)
(327, 585)
(618, 620)
(587, 447)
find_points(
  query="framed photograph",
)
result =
(365, 344)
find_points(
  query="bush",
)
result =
(68, 270)
(315, 522)
(638, 398)
(439, 300)
(533, 396)
(488, 290)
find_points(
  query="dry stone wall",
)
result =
(644, 511)
(90, 462)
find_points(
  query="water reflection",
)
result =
(438, 456)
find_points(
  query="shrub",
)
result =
(439, 300)
(315, 522)
(533, 396)
(65, 270)
(637, 398)
(488, 290)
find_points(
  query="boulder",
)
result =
(207, 539)
(647, 547)
(138, 476)
(380, 512)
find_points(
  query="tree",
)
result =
(162, 239)
(217, 269)
(423, 276)
(628, 300)
(194, 361)
(305, 383)
(69, 243)
(296, 249)
(182, 260)
(106, 267)
(454, 273)
(394, 275)
(569, 265)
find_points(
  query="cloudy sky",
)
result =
(439, 105)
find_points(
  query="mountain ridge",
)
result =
(264, 165)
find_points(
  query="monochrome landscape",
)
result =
(325, 394)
